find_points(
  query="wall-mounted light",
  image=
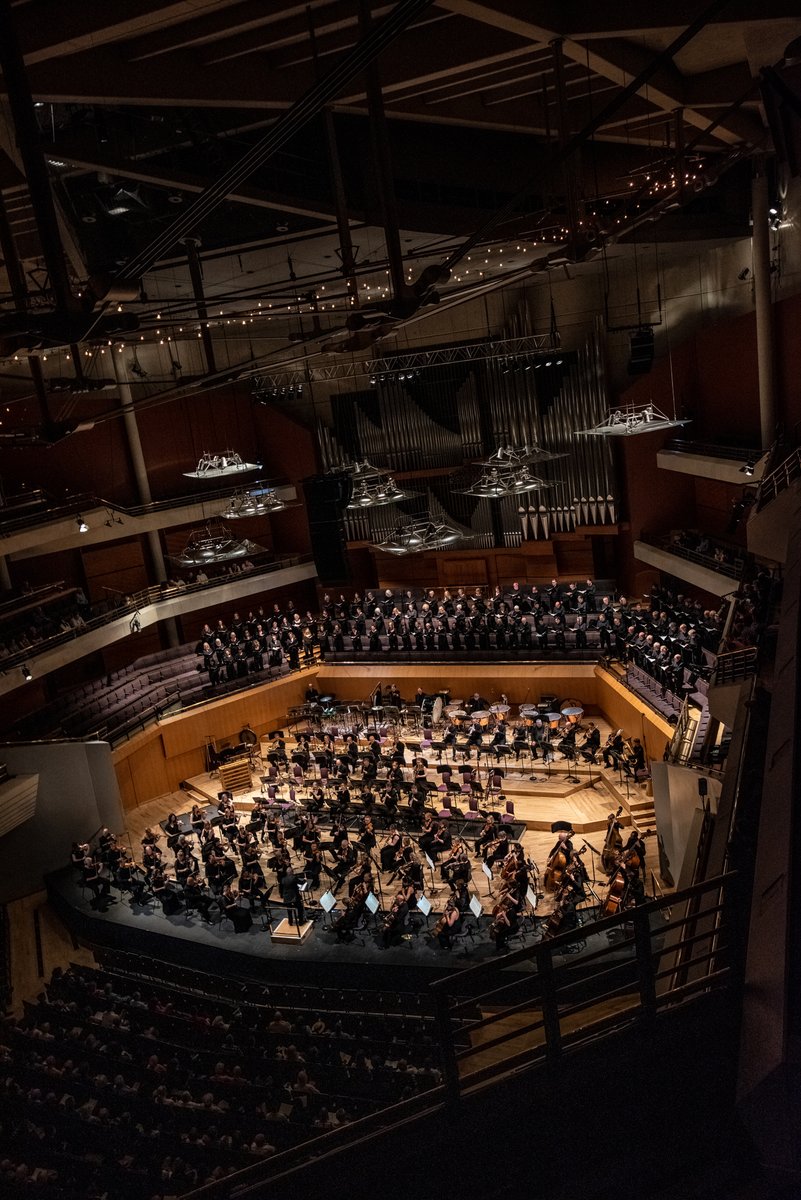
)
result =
(82, 526)
(26, 673)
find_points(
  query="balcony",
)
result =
(28, 534)
(150, 606)
(699, 570)
(704, 460)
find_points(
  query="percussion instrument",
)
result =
(500, 710)
(573, 715)
(436, 713)
(481, 717)
(553, 719)
(457, 713)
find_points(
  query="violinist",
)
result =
(368, 801)
(344, 860)
(367, 838)
(197, 898)
(170, 902)
(506, 919)
(441, 841)
(345, 925)
(404, 857)
(131, 878)
(313, 864)
(497, 851)
(489, 833)
(258, 819)
(398, 912)
(239, 917)
(456, 867)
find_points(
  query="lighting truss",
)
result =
(517, 456)
(496, 482)
(418, 536)
(215, 466)
(372, 487)
(258, 502)
(214, 544)
(632, 419)
(393, 365)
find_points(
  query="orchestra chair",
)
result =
(447, 812)
(473, 813)
(509, 815)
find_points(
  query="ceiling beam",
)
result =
(614, 59)
(163, 174)
(218, 23)
(53, 29)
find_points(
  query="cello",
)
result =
(557, 864)
(613, 843)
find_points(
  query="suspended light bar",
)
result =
(496, 482)
(631, 419)
(419, 536)
(516, 456)
(259, 502)
(214, 544)
(214, 466)
(379, 493)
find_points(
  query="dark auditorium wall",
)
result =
(77, 793)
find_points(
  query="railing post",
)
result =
(645, 964)
(450, 1070)
(550, 1006)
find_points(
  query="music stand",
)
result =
(430, 865)
(328, 903)
(487, 869)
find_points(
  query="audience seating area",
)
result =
(117, 1083)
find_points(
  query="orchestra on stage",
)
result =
(368, 831)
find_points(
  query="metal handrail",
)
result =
(83, 502)
(647, 985)
(734, 665)
(712, 450)
(137, 603)
(734, 570)
(780, 479)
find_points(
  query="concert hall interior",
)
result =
(400, 577)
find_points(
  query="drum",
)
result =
(481, 718)
(436, 714)
(500, 710)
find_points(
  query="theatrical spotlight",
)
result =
(26, 673)
(82, 526)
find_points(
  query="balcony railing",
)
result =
(779, 480)
(137, 603)
(733, 569)
(711, 450)
(735, 665)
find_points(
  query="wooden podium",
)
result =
(284, 932)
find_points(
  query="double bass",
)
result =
(613, 843)
(557, 865)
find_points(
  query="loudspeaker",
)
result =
(641, 352)
(326, 497)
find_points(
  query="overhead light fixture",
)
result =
(496, 482)
(258, 502)
(517, 456)
(214, 544)
(631, 419)
(26, 673)
(135, 623)
(215, 466)
(82, 526)
(419, 536)
(375, 494)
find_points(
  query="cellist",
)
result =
(558, 860)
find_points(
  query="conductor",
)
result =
(292, 897)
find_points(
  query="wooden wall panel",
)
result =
(520, 681)
(625, 711)
(118, 567)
